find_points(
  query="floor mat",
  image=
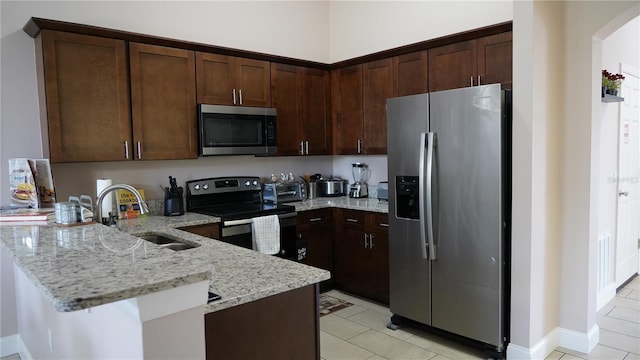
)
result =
(329, 304)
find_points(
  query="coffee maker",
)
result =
(361, 174)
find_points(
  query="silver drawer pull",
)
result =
(352, 220)
(383, 225)
(315, 219)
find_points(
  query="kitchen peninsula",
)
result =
(93, 291)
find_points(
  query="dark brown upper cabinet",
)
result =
(229, 80)
(495, 59)
(410, 72)
(301, 98)
(347, 110)
(377, 88)
(163, 102)
(86, 87)
(486, 60)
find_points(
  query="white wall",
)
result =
(537, 174)
(362, 27)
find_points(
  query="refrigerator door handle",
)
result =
(421, 192)
(431, 138)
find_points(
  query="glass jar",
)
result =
(66, 213)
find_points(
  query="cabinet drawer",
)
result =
(206, 230)
(378, 222)
(313, 218)
(352, 218)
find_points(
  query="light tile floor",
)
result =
(360, 332)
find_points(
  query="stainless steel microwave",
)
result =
(236, 130)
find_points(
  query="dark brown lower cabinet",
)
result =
(315, 227)
(283, 326)
(362, 253)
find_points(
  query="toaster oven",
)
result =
(283, 192)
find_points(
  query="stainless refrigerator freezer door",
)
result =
(467, 275)
(409, 271)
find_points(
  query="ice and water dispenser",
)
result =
(407, 197)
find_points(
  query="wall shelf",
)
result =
(611, 99)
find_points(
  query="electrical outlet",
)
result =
(50, 341)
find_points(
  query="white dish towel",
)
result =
(266, 234)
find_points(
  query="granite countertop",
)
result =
(82, 266)
(89, 265)
(344, 202)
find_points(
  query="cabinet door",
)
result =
(410, 72)
(379, 246)
(315, 117)
(452, 66)
(87, 97)
(377, 88)
(313, 225)
(285, 85)
(253, 83)
(348, 99)
(495, 54)
(163, 102)
(216, 78)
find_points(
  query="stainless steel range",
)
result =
(236, 201)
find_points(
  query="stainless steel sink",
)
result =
(167, 241)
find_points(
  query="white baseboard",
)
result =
(9, 345)
(539, 350)
(24, 352)
(570, 339)
(579, 341)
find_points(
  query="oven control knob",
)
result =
(205, 186)
(255, 182)
(247, 183)
(196, 187)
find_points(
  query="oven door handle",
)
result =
(248, 221)
(236, 222)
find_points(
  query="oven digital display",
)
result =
(226, 183)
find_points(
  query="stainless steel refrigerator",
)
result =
(449, 157)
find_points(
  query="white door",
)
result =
(628, 228)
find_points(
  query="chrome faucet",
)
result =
(144, 209)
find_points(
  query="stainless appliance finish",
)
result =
(236, 200)
(284, 192)
(449, 206)
(332, 187)
(236, 130)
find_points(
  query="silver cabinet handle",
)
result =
(478, 80)
(366, 240)
(359, 146)
(306, 147)
(233, 92)
(139, 151)
(352, 220)
(315, 219)
(383, 225)
(301, 147)
(623, 193)
(472, 81)
(126, 149)
(240, 96)
(370, 241)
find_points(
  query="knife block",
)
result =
(173, 204)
